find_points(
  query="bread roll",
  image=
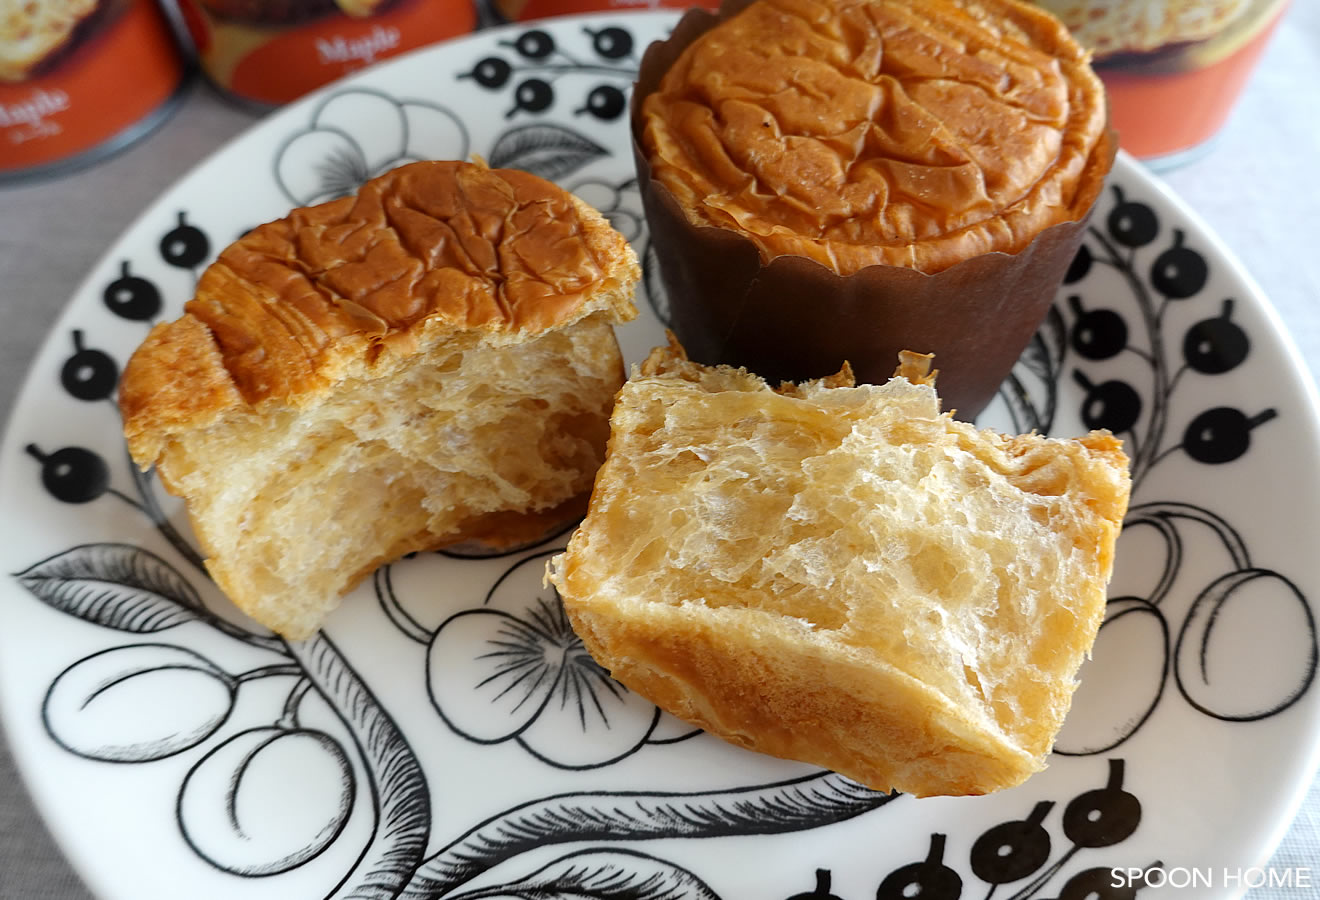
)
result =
(846, 179)
(428, 362)
(844, 575)
(880, 132)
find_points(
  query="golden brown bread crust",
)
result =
(424, 252)
(868, 132)
(844, 576)
(428, 363)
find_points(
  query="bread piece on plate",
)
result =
(843, 575)
(428, 362)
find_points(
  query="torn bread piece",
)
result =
(843, 575)
(428, 362)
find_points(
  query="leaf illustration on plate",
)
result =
(654, 284)
(1021, 411)
(549, 151)
(603, 875)
(116, 585)
(398, 787)
(1045, 354)
(1037, 369)
(796, 805)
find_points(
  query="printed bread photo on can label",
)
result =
(269, 52)
(81, 78)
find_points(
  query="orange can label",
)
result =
(1172, 68)
(274, 51)
(77, 81)
(524, 10)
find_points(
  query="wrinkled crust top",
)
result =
(421, 253)
(447, 243)
(864, 132)
(455, 241)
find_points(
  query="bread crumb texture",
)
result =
(430, 361)
(843, 575)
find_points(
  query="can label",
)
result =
(524, 10)
(75, 75)
(1172, 68)
(273, 51)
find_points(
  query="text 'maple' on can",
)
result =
(80, 79)
(269, 52)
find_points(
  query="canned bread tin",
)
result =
(525, 10)
(80, 79)
(1172, 68)
(272, 51)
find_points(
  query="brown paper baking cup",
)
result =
(794, 319)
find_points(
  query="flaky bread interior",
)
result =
(293, 507)
(429, 363)
(844, 575)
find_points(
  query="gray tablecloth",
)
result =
(1257, 189)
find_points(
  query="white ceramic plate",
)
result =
(176, 751)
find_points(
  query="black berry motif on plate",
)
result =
(928, 878)
(533, 61)
(132, 297)
(72, 474)
(334, 155)
(533, 69)
(1096, 333)
(1015, 855)
(297, 723)
(1215, 345)
(185, 245)
(1172, 624)
(88, 373)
